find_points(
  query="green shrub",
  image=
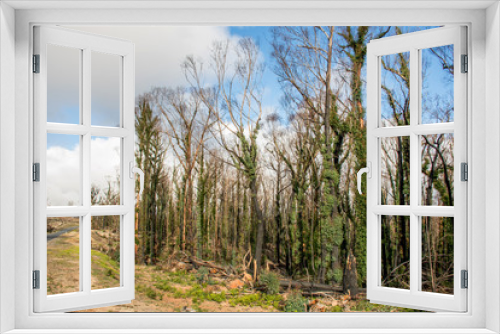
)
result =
(337, 308)
(151, 294)
(140, 288)
(202, 275)
(295, 303)
(271, 282)
(165, 286)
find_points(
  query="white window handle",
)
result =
(368, 171)
(139, 171)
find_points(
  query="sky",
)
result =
(159, 53)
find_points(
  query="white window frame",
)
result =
(414, 43)
(484, 103)
(86, 44)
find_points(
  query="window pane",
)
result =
(105, 252)
(63, 170)
(437, 85)
(395, 170)
(63, 255)
(395, 89)
(437, 169)
(105, 170)
(437, 254)
(63, 84)
(106, 88)
(395, 251)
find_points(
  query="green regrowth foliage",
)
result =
(202, 193)
(270, 281)
(202, 275)
(295, 303)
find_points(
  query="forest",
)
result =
(231, 183)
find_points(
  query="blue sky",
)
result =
(263, 37)
(158, 64)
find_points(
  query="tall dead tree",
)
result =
(150, 157)
(306, 60)
(187, 123)
(235, 102)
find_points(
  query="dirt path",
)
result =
(58, 233)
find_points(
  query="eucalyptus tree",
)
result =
(298, 150)
(235, 101)
(352, 48)
(187, 123)
(305, 63)
(150, 158)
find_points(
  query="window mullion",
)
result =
(415, 268)
(67, 129)
(109, 210)
(422, 129)
(431, 129)
(419, 210)
(85, 253)
(77, 129)
(109, 132)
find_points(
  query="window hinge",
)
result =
(36, 172)
(464, 173)
(36, 63)
(465, 279)
(36, 279)
(465, 64)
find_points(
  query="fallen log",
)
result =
(311, 286)
(201, 263)
(320, 293)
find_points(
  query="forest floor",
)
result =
(177, 286)
(158, 290)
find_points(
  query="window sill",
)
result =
(251, 331)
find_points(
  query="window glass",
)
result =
(63, 84)
(105, 252)
(437, 169)
(437, 254)
(395, 170)
(105, 170)
(63, 170)
(106, 89)
(395, 89)
(63, 255)
(437, 85)
(395, 252)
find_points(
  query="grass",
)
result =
(258, 299)
(105, 270)
(62, 258)
(366, 306)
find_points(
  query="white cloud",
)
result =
(105, 162)
(63, 170)
(160, 50)
(64, 174)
